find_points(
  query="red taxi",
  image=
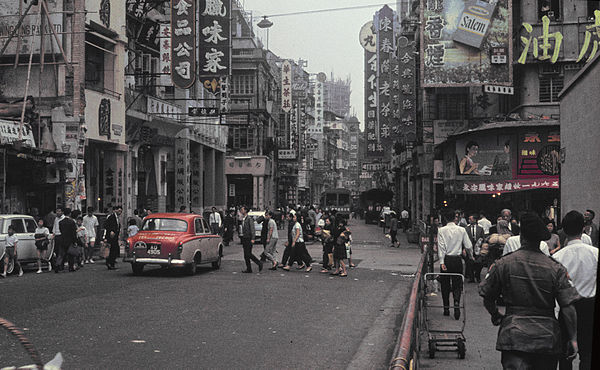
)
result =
(174, 240)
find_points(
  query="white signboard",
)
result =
(9, 133)
(319, 108)
(286, 86)
(30, 28)
(286, 154)
(165, 53)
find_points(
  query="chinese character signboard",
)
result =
(404, 82)
(369, 43)
(214, 40)
(503, 186)
(294, 128)
(286, 86)
(386, 50)
(539, 154)
(182, 172)
(459, 39)
(317, 129)
(183, 43)
(164, 38)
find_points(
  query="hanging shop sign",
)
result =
(183, 43)
(286, 154)
(465, 43)
(214, 41)
(104, 118)
(164, 37)
(367, 37)
(9, 133)
(317, 127)
(405, 89)
(539, 154)
(386, 64)
(374, 148)
(294, 128)
(286, 86)
(182, 172)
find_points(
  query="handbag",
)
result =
(73, 250)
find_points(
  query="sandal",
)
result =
(324, 271)
(334, 273)
(343, 275)
(309, 269)
(301, 267)
(286, 268)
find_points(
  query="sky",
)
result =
(328, 40)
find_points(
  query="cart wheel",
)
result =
(461, 348)
(432, 349)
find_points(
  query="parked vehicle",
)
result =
(24, 227)
(337, 200)
(256, 216)
(174, 240)
(371, 202)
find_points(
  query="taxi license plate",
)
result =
(153, 249)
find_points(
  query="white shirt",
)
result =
(514, 243)
(56, 228)
(451, 239)
(585, 238)
(485, 225)
(295, 228)
(214, 218)
(404, 214)
(90, 223)
(273, 225)
(581, 261)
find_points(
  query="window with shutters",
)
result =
(99, 64)
(551, 82)
(241, 138)
(243, 84)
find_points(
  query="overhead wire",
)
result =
(326, 10)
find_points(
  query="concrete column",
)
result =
(209, 180)
(255, 193)
(201, 177)
(220, 180)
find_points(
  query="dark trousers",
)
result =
(248, 256)
(473, 269)
(327, 250)
(113, 252)
(515, 360)
(452, 283)
(300, 254)
(393, 234)
(585, 334)
(62, 255)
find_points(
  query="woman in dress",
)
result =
(342, 236)
(554, 241)
(299, 251)
(467, 166)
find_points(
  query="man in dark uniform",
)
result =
(530, 282)
(112, 227)
(248, 234)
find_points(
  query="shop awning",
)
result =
(502, 186)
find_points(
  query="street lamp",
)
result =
(265, 23)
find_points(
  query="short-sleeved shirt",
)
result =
(90, 223)
(581, 261)
(529, 282)
(42, 231)
(273, 225)
(294, 230)
(81, 232)
(11, 240)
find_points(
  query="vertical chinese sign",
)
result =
(459, 39)
(182, 173)
(407, 102)
(319, 115)
(384, 26)
(183, 43)
(214, 42)
(286, 98)
(164, 38)
(368, 41)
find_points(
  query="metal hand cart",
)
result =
(440, 339)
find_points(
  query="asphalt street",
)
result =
(216, 319)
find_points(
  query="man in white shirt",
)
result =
(90, 222)
(581, 262)
(514, 243)
(215, 221)
(56, 236)
(451, 240)
(484, 223)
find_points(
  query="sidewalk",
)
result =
(479, 333)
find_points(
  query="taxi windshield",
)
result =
(165, 224)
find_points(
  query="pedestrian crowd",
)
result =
(545, 278)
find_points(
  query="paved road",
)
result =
(216, 319)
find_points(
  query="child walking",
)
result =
(41, 244)
(10, 251)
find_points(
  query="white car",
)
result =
(24, 227)
(257, 226)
